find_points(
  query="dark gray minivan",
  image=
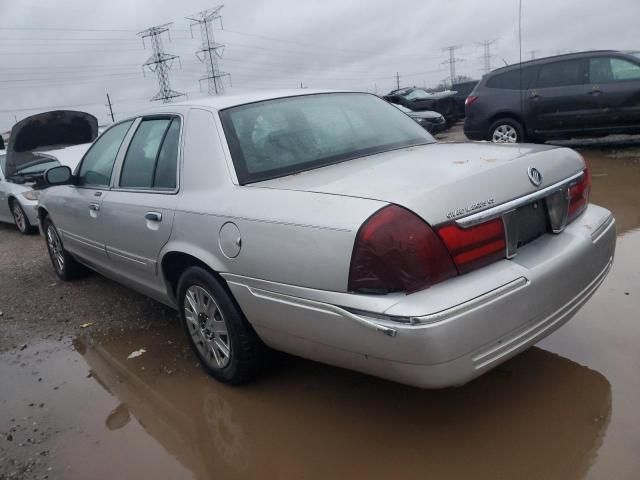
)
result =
(589, 94)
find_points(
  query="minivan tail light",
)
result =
(470, 99)
(395, 250)
(476, 246)
(579, 195)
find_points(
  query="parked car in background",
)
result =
(462, 89)
(418, 99)
(331, 226)
(36, 143)
(585, 94)
(19, 192)
(432, 122)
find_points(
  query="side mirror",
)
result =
(60, 175)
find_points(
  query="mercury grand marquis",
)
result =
(331, 226)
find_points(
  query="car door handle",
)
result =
(94, 207)
(535, 96)
(595, 91)
(153, 216)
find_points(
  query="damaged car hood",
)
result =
(47, 131)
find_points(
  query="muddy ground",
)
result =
(72, 406)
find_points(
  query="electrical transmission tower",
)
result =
(160, 62)
(487, 54)
(452, 61)
(210, 51)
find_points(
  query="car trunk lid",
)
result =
(441, 182)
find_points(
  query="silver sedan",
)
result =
(331, 226)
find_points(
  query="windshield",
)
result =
(279, 137)
(37, 167)
(416, 94)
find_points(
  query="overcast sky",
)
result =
(70, 53)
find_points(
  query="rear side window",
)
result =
(560, 74)
(511, 80)
(98, 162)
(152, 155)
(611, 69)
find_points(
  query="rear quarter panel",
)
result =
(292, 237)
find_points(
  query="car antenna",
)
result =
(505, 62)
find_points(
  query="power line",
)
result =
(487, 53)
(160, 62)
(452, 61)
(210, 52)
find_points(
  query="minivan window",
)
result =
(560, 74)
(97, 164)
(624, 70)
(611, 69)
(511, 80)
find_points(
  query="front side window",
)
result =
(97, 164)
(611, 69)
(279, 137)
(560, 74)
(624, 70)
(152, 155)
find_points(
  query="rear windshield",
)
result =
(279, 137)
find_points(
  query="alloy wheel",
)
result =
(505, 133)
(56, 251)
(207, 327)
(18, 216)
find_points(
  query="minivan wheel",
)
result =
(20, 218)
(219, 334)
(506, 130)
(66, 267)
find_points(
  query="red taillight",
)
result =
(475, 246)
(579, 195)
(470, 99)
(396, 251)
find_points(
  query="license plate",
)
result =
(531, 221)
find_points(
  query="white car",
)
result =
(18, 197)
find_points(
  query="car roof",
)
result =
(543, 60)
(220, 102)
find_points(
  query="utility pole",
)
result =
(398, 80)
(487, 53)
(209, 52)
(452, 61)
(110, 109)
(532, 53)
(160, 62)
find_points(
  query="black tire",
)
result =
(247, 351)
(66, 267)
(507, 122)
(20, 219)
